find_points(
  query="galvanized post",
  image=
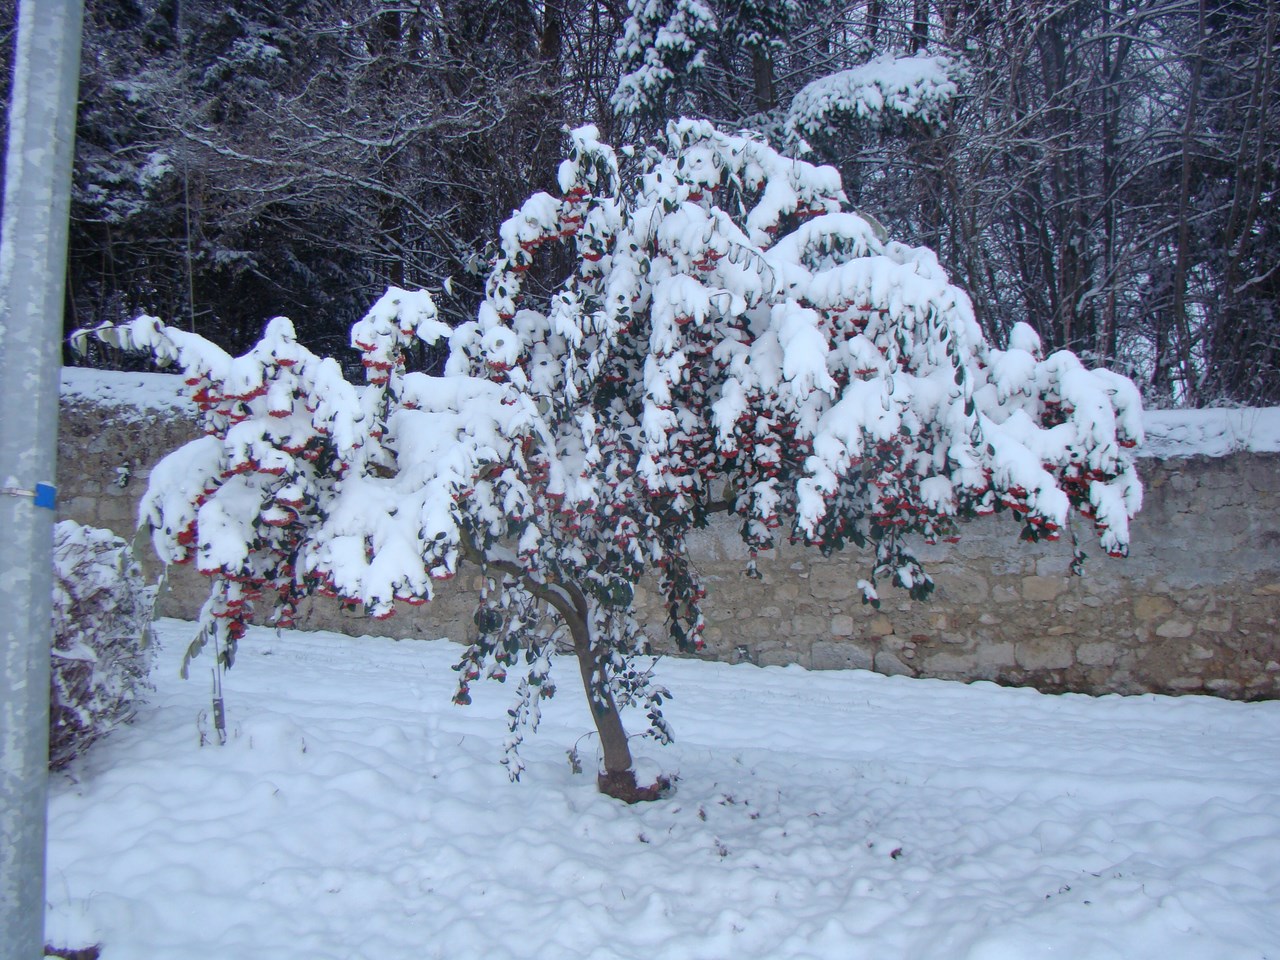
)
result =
(33, 256)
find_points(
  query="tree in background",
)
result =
(1099, 175)
(1230, 198)
(240, 159)
(709, 331)
(714, 59)
(1097, 168)
(1104, 169)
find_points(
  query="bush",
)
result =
(102, 642)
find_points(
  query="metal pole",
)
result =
(33, 257)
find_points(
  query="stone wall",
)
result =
(1193, 609)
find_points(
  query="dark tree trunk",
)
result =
(1182, 261)
(919, 26)
(618, 779)
(875, 10)
(762, 68)
(613, 737)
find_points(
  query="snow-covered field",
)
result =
(357, 813)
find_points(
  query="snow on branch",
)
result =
(918, 87)
(663, 41)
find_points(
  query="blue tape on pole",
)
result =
(46, 496)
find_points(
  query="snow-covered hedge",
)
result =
(102, 648)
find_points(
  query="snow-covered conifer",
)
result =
(709, 331)
(887, 88)
(662, 46)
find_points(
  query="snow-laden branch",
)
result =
(912, 88)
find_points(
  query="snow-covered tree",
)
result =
(663, 45)
(883, 90)
(713, 332)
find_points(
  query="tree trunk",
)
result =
(919, 26)
(618, 779)
(613, 738)
(762, 69)
(1181, 333)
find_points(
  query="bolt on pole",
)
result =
(33, 256)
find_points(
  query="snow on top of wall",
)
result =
(144, 392)
(1210, 433)
(1170, 433)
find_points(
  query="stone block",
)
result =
(77, 508)
(995, 654)
(1148, 607)
(776, 655)
(830, 655)
(808, 625)
(756, 628)
(880, 626)
(823, 590)
(1043, 589)
(1054, 565)
(1191, 603)
(1102, 654)
(1223, 685)
(947, 665)
(1004, 594)
(1175, 629)
(1044, 655)
(958, 585)
(118, 515)
(842, 625)
(891, 666)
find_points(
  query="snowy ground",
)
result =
(357, 813)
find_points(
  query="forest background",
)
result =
(1107, 172)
